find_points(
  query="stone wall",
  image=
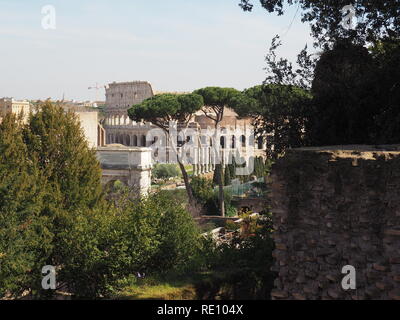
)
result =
(334, 207)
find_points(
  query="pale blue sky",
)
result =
(177, 45)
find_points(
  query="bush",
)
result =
(203, 191)
(152, 236)
(239, 269)
(165, 171)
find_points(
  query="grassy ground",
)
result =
(152, 289)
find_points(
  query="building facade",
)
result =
(10, 105)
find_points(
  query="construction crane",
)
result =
(97, 88)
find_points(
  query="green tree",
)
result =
(25, 238)
(280, 113)
(163, 109)
(216, 99)
(154, 236)
(386, 55)
(375, 19)
(344, 96)
(237, 268)
(355, 90)
(227, 176)
(56, 143)
(56, 140)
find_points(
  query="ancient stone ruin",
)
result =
(334, 207)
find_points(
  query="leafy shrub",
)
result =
(203, 191)
(239, 269)
(151, 236)
(165, 171)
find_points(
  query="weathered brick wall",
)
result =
(334, 207)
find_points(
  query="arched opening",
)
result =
(222, 142)
(143, 141)
(128, 140)
(233, 144)
(243, 141)
(135, 142)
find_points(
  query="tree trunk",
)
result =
(221, 191)
(187, 183)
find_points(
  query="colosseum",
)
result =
(237, 135)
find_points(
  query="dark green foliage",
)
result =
(227, 176)
(178, 238)
(354, 84)
(261, 167)
(386, 54)
(163, 108)
(279, 113)
(216, 96)
(203, 191)
(216, 173)
(345, 96)
(239, 269)
(151, 236)
(25, 238)
(202, 188)
(56, 141)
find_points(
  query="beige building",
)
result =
(94, 132)
(90, 123)
(10, 105)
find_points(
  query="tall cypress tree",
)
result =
(25, 239)
(55, 141)
(227, 176)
